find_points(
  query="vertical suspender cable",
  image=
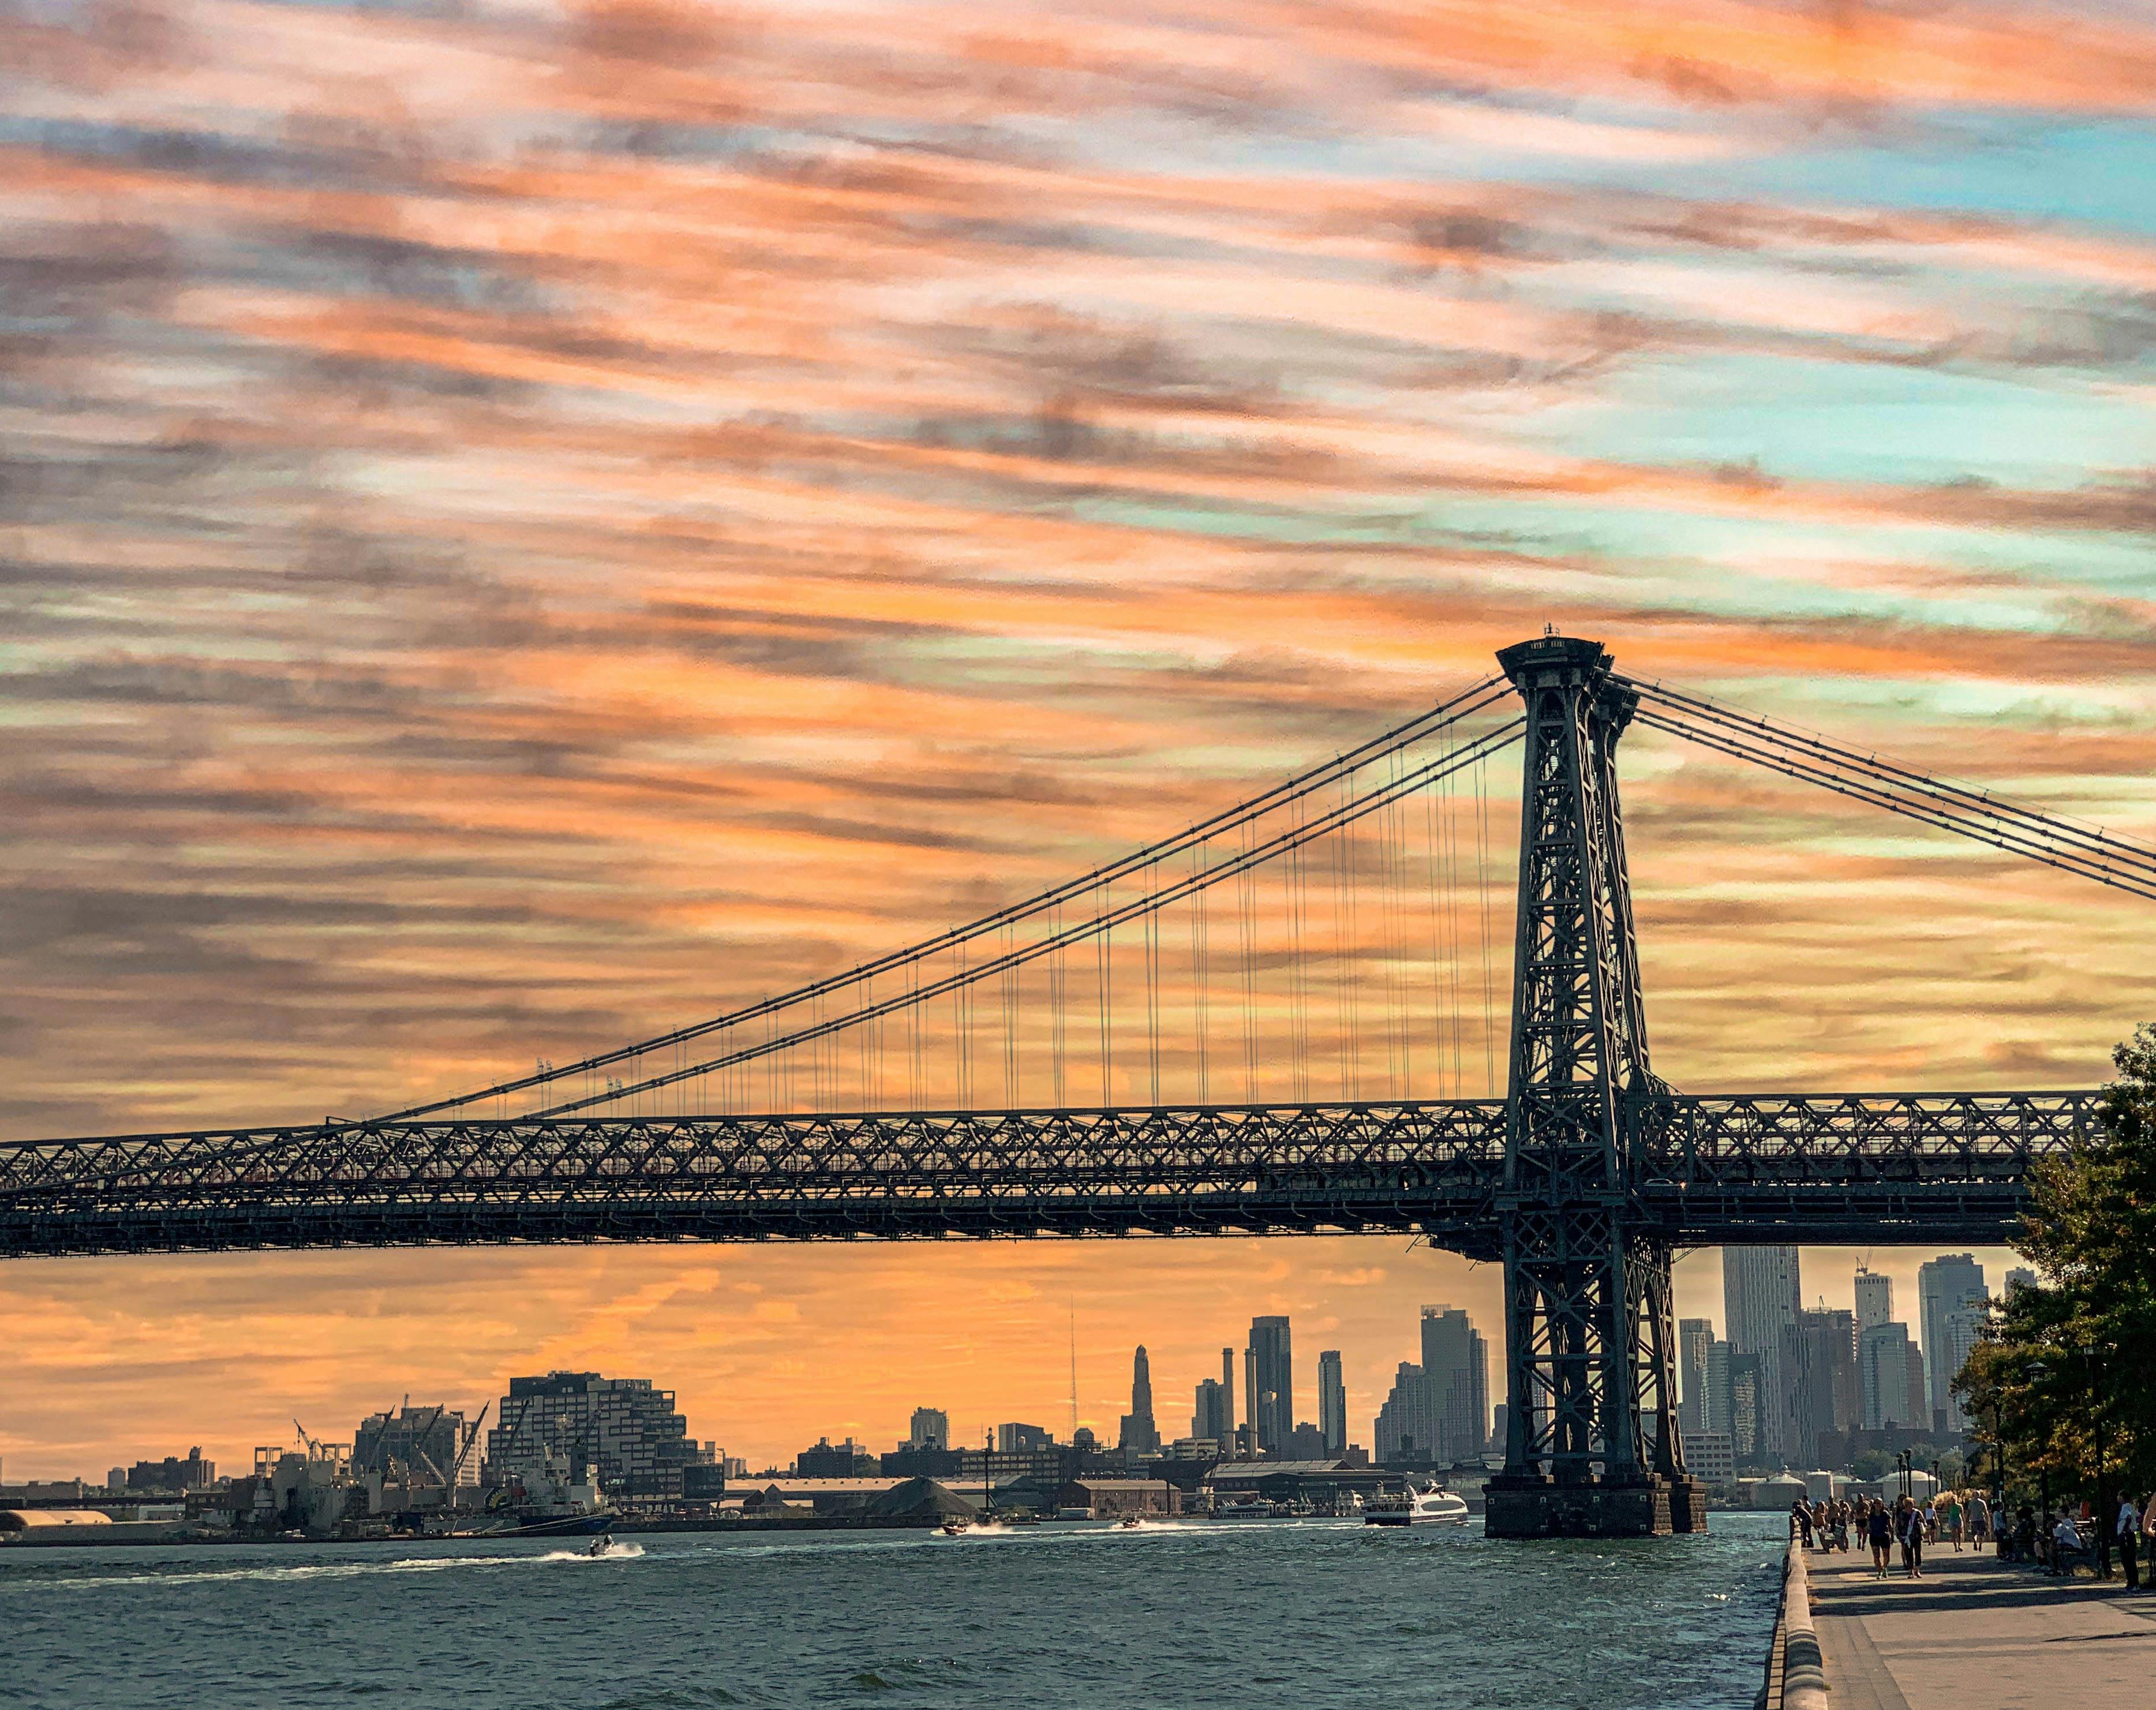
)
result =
(1059, 975)
(1438, 974)
(1198, 971)
(1104, 952)
(1483, 871)
(1246, 894)
(1153, 985)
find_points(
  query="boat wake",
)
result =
(317, 1570)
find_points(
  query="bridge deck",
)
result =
(1738, 1168)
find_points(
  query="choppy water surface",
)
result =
(1310, 1613)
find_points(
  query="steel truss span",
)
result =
(1752, 1168)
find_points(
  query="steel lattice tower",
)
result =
(1591, 1437)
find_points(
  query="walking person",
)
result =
(2128, 1526)
(2148, 1538)
(1950, 1519)
(1879, 1529)
(1979, 1521)
(1911, 1526)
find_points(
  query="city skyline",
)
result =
(757, 1410)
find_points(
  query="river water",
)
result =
(1311, 1613)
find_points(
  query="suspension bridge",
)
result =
(1345, 925)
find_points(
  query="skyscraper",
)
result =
(1406, 1427)
(1272, 1398)
(1875, 1299)
(1455, 1362)
(2020, 1276)
(1715, 1404)
(1829, 1398)
(1882, 1374)
(1331, 1402)
(1952, 1303)
(1759, 1306)
(1139, 1431)
(1212, 1416)
(1695, 1336)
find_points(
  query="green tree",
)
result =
(2067, 1364)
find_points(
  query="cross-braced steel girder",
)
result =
(1746, 1168)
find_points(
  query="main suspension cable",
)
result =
(1483, 695)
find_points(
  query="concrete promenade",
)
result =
(1974, 1634)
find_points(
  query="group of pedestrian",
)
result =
(2062, 1537)
(1827, 1525)
(2054, 1541)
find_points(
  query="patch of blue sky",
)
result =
(2009, 163)
(1838, 420)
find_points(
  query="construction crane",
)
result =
(463, 1454)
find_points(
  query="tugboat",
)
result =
(1429, 1504)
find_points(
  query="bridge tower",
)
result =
(1592, 1447)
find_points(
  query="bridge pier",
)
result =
(1655, 1506)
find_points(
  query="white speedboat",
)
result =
(1421, 1505)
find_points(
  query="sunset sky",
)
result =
(525, 524)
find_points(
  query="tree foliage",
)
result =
(2072, 1361)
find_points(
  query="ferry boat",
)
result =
(1425, 1505)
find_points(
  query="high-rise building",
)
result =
(1759, 1291)
(1744, 1408)
(1212, 1415)
(2020, 1276)
(1455, 1360)
(428, 1442)
(619, 1429)
(1695, 1336)
(1952, 1304)
(1882, 1376)
(1138, 1432)
(931, 1429)
(1331, 1403)
(1272, 1398)
(1715, 1404)
(1875, 1299)
(1829, 1398)
(1246, 1439)
(1406, 1428)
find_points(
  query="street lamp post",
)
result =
(2092, 1369)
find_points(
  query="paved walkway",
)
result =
(1974, 1634)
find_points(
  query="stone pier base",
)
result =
(1651, 1508)
(1688, 1504)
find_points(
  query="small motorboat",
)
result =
(952, 1528)
(1131, 1522)
(602, 1545)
